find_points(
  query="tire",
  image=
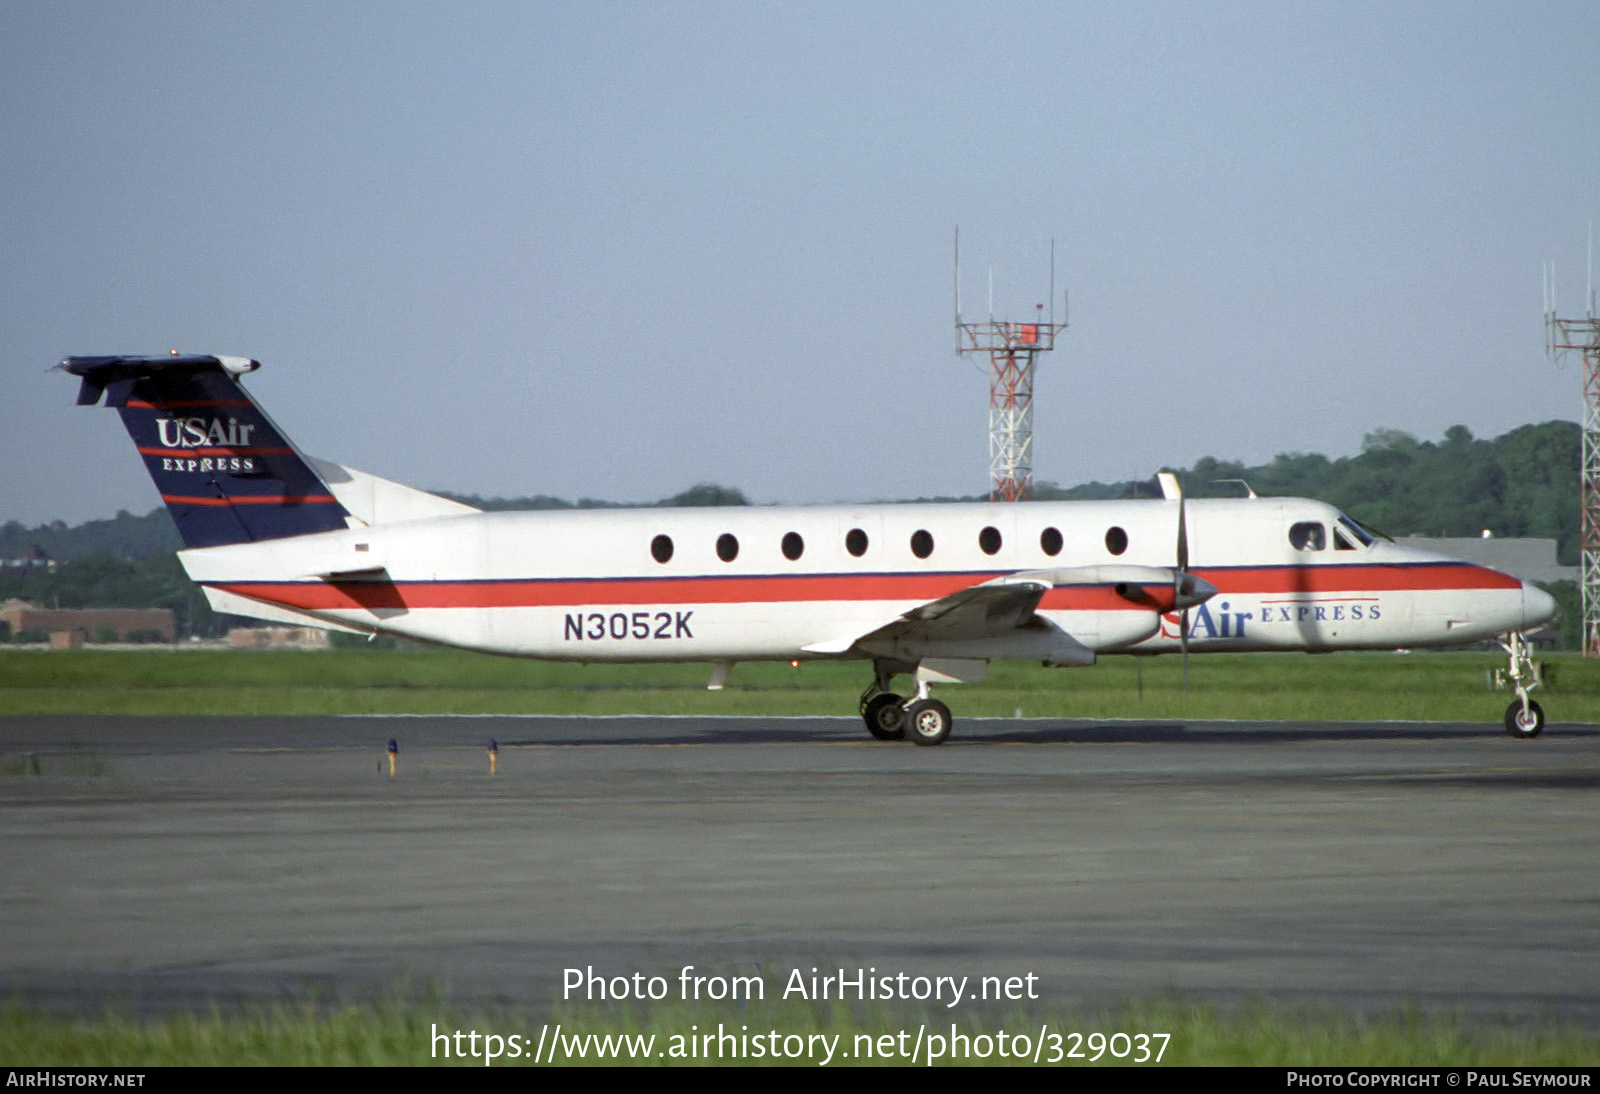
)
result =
(885, 717)
(928, 722)
(1524, 724)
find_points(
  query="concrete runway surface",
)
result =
(156, 864)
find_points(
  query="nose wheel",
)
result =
(1524, 719)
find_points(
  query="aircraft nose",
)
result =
(1538, 606)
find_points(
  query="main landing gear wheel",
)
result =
(1524, 720)
(885, 717)
(928, 721)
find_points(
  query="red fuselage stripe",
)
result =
(532, 593)
(1259, 580)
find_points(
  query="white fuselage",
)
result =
(586, 586)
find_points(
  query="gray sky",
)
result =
(616, 249)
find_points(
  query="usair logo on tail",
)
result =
(197, 433)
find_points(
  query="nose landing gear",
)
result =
(1524, 717)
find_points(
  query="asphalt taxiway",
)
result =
(153, 864)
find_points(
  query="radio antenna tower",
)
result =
(1013, 350)
(1583, 335)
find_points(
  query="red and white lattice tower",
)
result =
(1013, 350)
(1583, 335)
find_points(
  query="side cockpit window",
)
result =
(1308, 535)
(1357, 532)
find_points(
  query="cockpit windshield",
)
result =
(1367, 536)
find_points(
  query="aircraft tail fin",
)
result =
(225, 471)
(373, 500)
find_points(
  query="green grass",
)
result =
(1331, 687)
(403, 1034)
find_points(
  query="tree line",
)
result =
(1524, 483)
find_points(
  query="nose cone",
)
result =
(1538, 606)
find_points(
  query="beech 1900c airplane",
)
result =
(932, 592)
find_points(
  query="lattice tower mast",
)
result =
(1013, 350)
(1583, 335)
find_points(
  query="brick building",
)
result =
(19, 616)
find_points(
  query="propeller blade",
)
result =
(1178, 583)
(1183, 645)
(1183, 537)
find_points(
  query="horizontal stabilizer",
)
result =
(115, 375)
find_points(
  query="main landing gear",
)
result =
(890, 717)
(1524, 717)
(885, 715)
(928, 721)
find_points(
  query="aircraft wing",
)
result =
(989, 610)
(981, 611)
(1102, 606)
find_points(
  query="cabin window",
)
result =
(793, 546)
(989, 540)
(1116, 540)
(727, 547)
(661, 548)
(1308, 535)
(922, 543)
(855, 541)
(1050, 541)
